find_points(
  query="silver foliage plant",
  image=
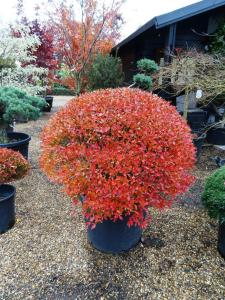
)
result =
(17, 61)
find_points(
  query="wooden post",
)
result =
(162, 64)
(170, 42)
(186, 102)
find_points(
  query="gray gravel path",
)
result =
(47, 256)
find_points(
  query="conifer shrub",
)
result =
(105, 72)
(213, 197)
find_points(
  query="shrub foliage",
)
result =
(213, 197)
(146, 67)
(15, 103)
(106, 72)
(12, 165)
(126, 150)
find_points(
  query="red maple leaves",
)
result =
(124, 149)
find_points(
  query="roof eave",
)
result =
(131, 37)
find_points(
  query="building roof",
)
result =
(174, 17)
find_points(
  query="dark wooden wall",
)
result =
(190, 33)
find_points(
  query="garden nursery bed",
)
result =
(46, 255)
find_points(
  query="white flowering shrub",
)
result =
(17, 62)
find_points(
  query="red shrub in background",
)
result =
(12, 165)
(124, 149)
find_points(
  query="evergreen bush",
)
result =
(146, 67)
(16, 104)
(213, 197)
(105, 72)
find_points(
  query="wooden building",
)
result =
(188, 27)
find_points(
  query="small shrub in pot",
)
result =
(124, 150)
(13, 166)
(146, 68)
(15, 104)
(213, 199)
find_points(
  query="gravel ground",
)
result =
(46, 254)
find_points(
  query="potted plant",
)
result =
(120, 152)
(146, 68)
(216, 131)
(49, 103)
(213, 199)
(16, 104)
(199, 77)
(12, 166)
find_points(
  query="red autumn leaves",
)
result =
(12, 165)
(124, 149)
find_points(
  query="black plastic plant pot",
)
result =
(114, 237)
(216, 136)
(48, 107)
(7, 207)
(9, 128)
(20, 142)
(196, 118)
(221, 239)
(198, 142)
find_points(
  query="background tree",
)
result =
(105, 72)
(79, 40)
(18, 68)
(193, 71)
(44, 53)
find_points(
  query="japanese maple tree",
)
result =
(80, 37)
(125, 150)
(44, 53)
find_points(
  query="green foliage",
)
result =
(218, 40)
(6, 63)
(16, 104)
(143, 81)
(213, 197)
(105, 72)
(147, 66)
(62, 91)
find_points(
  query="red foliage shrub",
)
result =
(124, 149)
(12, 165)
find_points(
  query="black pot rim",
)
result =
(22, 141)
(12, 191)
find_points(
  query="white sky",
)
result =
(135, 12)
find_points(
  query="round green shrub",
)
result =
(16, 104)
(147, 66)
(143, 81)
(213, 197)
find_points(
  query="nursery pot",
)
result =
(7, 207)
(216, 136)
(9, 128)
(198, 142)
(20, 142)
(221, 239)
(114, 237)
(48, 107)
(196, 118)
